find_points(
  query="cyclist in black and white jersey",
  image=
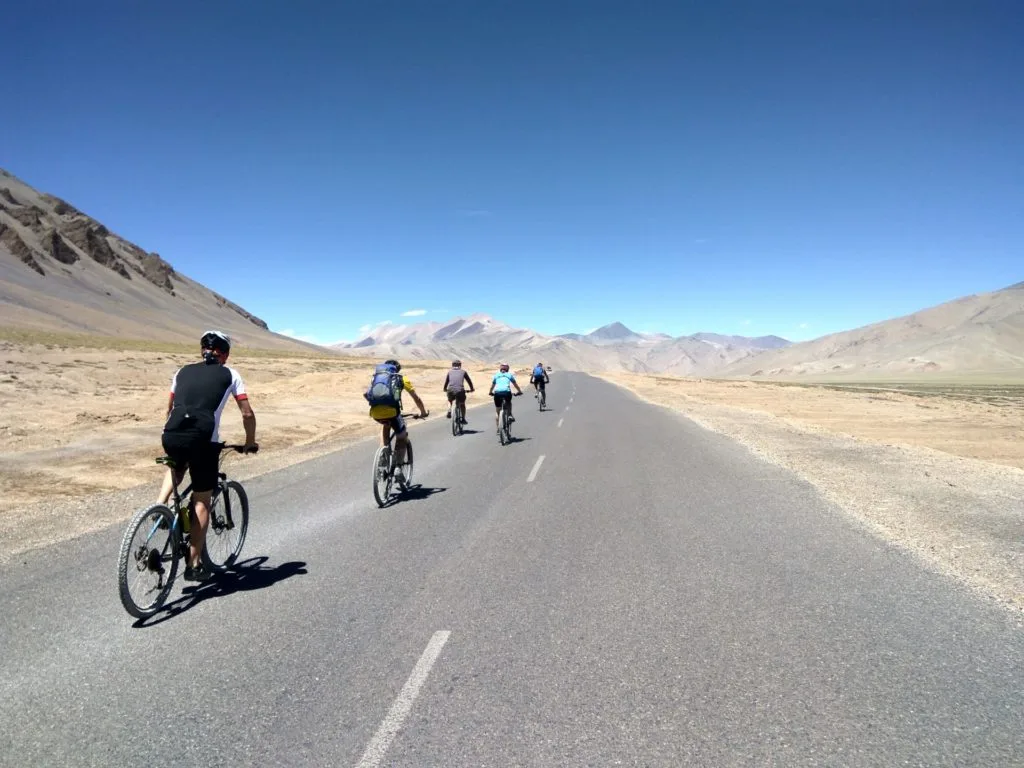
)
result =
(199, 392)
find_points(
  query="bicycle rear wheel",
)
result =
(229, 522)
(456, 421)
(148, 561)
(382, 475)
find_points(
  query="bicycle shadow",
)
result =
(413, 493)
(244, 576)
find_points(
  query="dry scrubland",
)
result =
(936, 467)
(81, 417)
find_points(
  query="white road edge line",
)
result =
(536, 469)
(381, 740)
(560, 422)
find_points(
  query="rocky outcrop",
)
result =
(27, 215)
(231, 305)
(7, 195)
(157, 271)
(58, 247)
(11, 240)
(91, 238)
(61, 207)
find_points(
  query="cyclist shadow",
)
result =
(243, 576)
(413, 493)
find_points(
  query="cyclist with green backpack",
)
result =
(385, 398)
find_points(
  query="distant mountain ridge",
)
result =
(611, 347)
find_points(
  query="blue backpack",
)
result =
(385, 387)
(538, 372)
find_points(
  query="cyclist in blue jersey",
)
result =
(539, 378)
(501, 390)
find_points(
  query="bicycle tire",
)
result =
(455, 419)
(382, 475)
(229, 524)
(139, 563)
(407, 466)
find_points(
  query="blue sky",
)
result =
(793, 168)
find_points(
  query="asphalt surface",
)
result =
(648, 594)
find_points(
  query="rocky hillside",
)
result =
(981, 333)
(62, 270)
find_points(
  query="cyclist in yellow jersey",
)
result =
(391, 418)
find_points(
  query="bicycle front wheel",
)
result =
(148, 561)
(407, 466)
(229, 522)
(382, 475)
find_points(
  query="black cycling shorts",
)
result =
(457, 395)
(197, 454)
(501, 397)
(397, 424)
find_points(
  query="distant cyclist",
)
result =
(385, 399)
(199, 392)
(501, 389)
(455, 382)
(539, 378)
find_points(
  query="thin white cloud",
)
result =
(475, 213)
(291, 333)
(803, 325)
(365, 328)
(414, 313)
(746, 322)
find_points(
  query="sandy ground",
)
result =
(936, 472)
(79, 423)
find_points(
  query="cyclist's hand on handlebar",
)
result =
(423, 414)
(250, 448)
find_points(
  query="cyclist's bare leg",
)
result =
(401, 441)
(172, 478)
(200, 522)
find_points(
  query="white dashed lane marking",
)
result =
(536, 469)
(381, 740)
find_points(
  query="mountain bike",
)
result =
(458, 416)
(505, 428)
(158, 537)
(385, 460)
(542, 397)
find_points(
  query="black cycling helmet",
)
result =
(217, 340)
(456, 363)
(398, 365)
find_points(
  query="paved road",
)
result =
(648, 595)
